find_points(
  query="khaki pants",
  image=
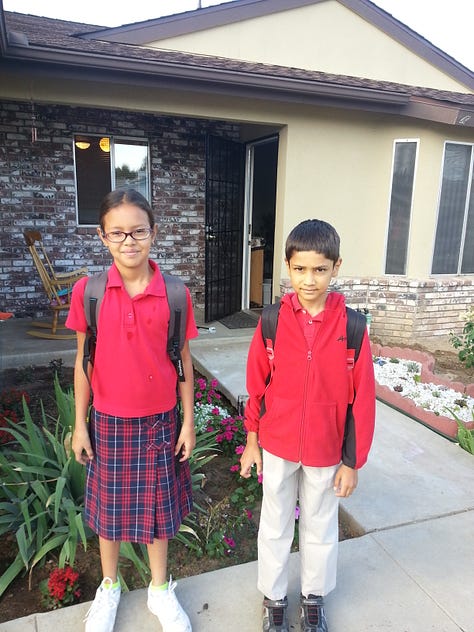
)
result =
(285, 482)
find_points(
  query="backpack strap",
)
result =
(356, 326)
(176, 294)
(269, 322)
(269, 319)
(93, 295)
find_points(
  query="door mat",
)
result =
(240, 320)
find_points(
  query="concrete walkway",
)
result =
(412, 571)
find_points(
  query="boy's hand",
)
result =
(251, 456)
(345, 481)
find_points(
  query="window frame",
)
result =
(396, 142)
(113, 138)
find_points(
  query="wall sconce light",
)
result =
(82, 144)
(104, 144)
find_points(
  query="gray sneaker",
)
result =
(275, 618)
(313, 617)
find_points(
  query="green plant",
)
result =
(465, 435)
(211, 416)
(61, 588)
(41, 496)
(465, 342)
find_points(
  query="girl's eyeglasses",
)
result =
(117, 236)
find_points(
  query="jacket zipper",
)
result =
(309, 357)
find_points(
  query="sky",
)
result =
(447, 25)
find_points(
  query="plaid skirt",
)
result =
(136, 490)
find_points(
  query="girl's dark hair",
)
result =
(313, 234)
(125, 196)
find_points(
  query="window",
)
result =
(403, 177)
(454, 242)
(104, 163)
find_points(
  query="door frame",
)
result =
(248, 212)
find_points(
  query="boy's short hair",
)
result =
(313, 234)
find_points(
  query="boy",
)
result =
(310, 454)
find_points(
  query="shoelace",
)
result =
(176, 616)
(102, 603)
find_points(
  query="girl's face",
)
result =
(130, 253)
(310, 275)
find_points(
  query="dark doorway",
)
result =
(225, 162)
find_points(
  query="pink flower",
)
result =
(234, 468)
(249, 514)
(229, 541)
(240, 449)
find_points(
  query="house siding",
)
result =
(37, 191)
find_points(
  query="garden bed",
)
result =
(437, 387)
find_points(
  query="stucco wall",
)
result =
(325, 36)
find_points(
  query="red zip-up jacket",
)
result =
(307, 415)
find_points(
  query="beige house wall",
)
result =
(306, 37)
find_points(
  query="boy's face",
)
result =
(310, 275)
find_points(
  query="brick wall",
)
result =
(37, 191)
(407, 311)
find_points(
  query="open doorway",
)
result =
(261, 178)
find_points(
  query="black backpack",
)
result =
(176, 294)
(356, 325)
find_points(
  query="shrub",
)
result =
(465, 342)
(41, 496)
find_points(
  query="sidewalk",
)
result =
(413, 571)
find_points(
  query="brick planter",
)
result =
(444, 425)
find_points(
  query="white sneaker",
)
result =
(101, 615)
(165, 605)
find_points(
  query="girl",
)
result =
(134, 491)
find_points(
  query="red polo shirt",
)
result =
(133, 375)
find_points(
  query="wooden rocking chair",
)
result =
(57, 285)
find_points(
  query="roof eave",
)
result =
(236, 83)
(206, 75)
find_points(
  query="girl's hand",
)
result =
(81, 446)
(186, 442)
